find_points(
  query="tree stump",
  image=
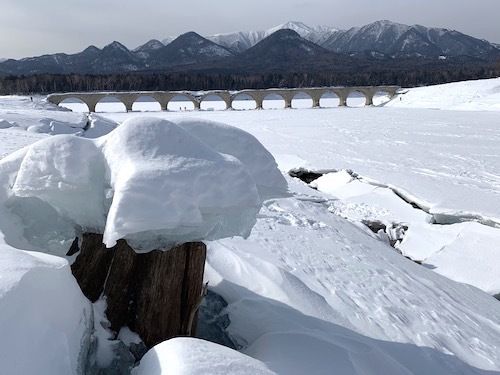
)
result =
(154, 294)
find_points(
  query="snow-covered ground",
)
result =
(310, 291)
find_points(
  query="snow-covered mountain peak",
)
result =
(147, 48)
(91, 49)
(240, 41)
(378, 28)
(299, 27)
(388, 23)
(151, 45)
(168, 40)
(384, 39)
(117, 46)
(324, 29)
(286, 34)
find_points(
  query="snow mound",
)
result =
(164, 179)
(44, 318)
(479, 95)
(99, 126)
(39, 128)
(192, 356)
(149, 181)
(246, 148)
(66, 172)
(57, 127)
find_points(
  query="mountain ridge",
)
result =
(380, 40)
(284, 50)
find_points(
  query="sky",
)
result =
(34, 27)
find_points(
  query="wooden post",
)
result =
(153, 293)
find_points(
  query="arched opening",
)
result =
(329, 100)
(244, 101)
(110, 104)
(273, 101)
(381, 97)
(302, 100)
(74, 104)
(180, 103)
(212, 102)
(356, 99)
(146, 104)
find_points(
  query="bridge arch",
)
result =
(243, 101)
(146, 103)
(181, 102)
(356, 97)
(111, 103)
(329, 99)
(302, 99)
(74, 104)
(214, 101)
(273, 100)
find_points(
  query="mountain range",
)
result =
(291, 47)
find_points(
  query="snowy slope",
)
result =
(308, 276)
(481, 95)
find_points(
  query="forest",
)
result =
(51, 83)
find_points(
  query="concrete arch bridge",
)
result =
(91, 99)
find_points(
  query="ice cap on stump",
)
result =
(153, 182)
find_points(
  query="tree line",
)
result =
(50, 83)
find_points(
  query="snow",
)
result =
(99, 126)
(149, 181)
(127, 336)
(23, 113)
(312, 289)
(243, 40)
(466, 252)
(104, 353)
(307, 280)
(45, 319)
(299, 27)
(165, 179)
(331, 181)
(187, 356)
(62, 173)
(247, 149)
(481, 95)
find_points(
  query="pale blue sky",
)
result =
(34, 27)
